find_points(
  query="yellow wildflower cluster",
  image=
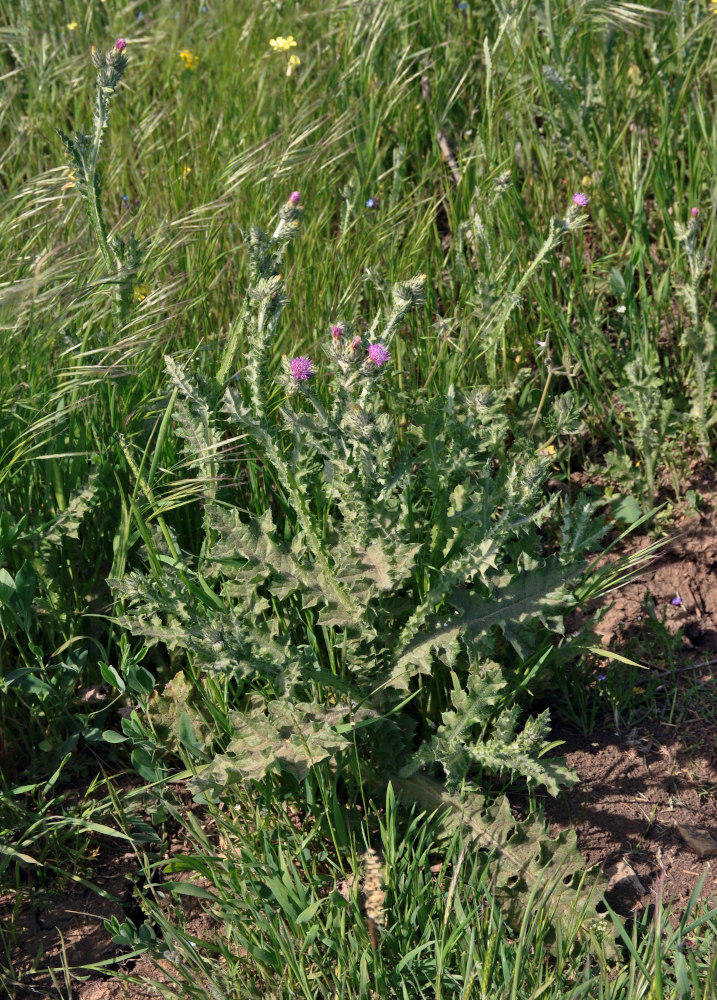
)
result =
(294, 61)
(141, 292)
(186, 171)
(281, 44)
(189, 59)
(72, 25)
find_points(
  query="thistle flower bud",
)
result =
(410, 293)
(110, 65)
(267, 288)
(336, 331)
(294, 197)
(356, 343)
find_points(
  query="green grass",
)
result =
(535, 102)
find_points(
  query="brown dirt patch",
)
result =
(684, 572)
(636, 788)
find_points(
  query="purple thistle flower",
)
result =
(580, 199)
(694, 212)
(378, 354)
(676, 601)
(301, 368)
(294, 197)
(336, 331)
(120, 44)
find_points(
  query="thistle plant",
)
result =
(121, 259)
(649, 413)
(375, 605)
(493, 328)
(699, 337)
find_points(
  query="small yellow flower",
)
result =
(141, 292)
(186, 171)
(281, 44)
(586, 181)
(189, 59)
(638, 690)
(294, 61)
(72, 25)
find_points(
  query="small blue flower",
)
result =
(204, 8)
(140, 16)
(676, 601)
(372, 203)
(602, 677)
(125, 199)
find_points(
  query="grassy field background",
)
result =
(432, 137)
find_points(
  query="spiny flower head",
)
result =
(580, 199)
(336, 331)
(294, 197)
(110, 65)
(356, 343)
(694, 212)
(378, 354)
(302, 368)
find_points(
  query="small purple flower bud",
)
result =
(676, 601)
(694, 212)
(602, 677)
(120, 44)
(378, 354)
(336, 331)
(294, 197)
(580, 199)
(301, 368)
